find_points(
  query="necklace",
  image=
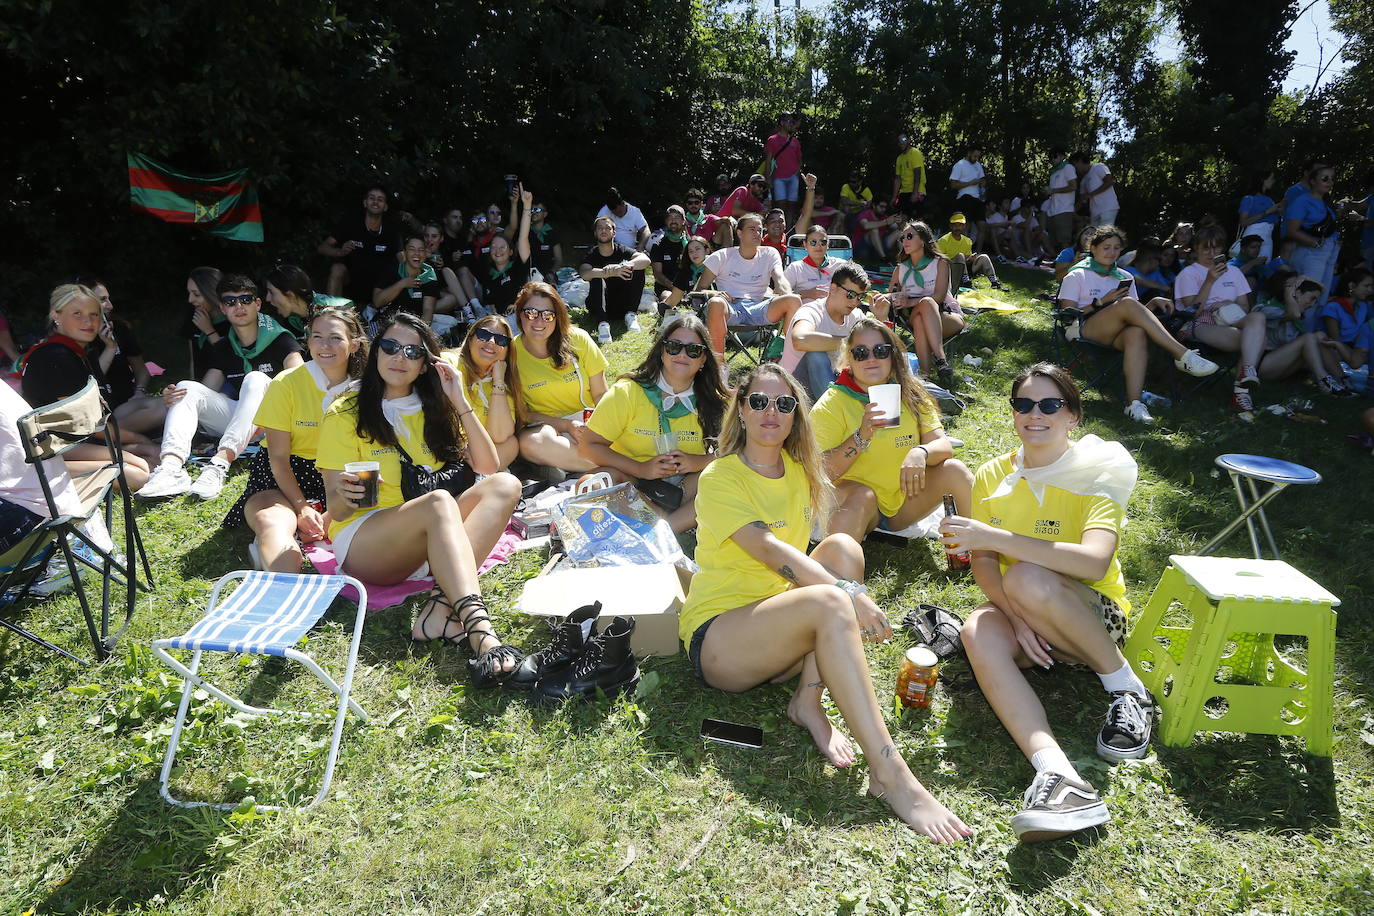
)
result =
(775, 465)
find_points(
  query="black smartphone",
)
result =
(732, 733)
(511, 181)
(1124, 286)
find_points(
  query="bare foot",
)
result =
(830, 741)
(919, 809)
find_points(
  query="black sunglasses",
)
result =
(908, 236)
(819, 243)
(1047, 406)
(533, 313)
(391, 347)
(231, 300)
(879, 351)
(674, 347)
(758, 402)
(486, 335)
(852, 295)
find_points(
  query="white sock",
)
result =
(224, 465)
(171, 463)
(1123, 679)
(1054, 760)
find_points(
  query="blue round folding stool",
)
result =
(1279, 474)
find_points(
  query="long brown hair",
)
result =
(443, 428)
(800, 442)
(357, 359)
(707, 387)
(560, 347)
(471, 374)
(914, 395)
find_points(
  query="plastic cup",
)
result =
(369, 474)
(665, 443)
(889, 400)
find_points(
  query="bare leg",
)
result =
(1135, 359)
(486, 508)
(856, 510)
(684, 517)
(91, 456)
(545, 446)
(273, 520)
(716, 308)
(338, 279)
(949, 476)
(927, 312)
(1105, 324)
(141, 415)
(950, 324)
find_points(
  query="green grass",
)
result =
(455, 801)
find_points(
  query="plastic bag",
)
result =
(614, 526)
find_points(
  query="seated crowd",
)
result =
(446, 353)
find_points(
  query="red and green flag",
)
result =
(224, 205)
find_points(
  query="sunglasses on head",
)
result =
(879, 351)
(533, 313)
(1047, 405)
(410, 351)
(758, 402)
(674, 347)
(232, 300)
(486, 335)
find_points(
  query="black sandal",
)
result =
(485, 668)
(436, 597)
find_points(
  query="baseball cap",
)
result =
(756, 177)
(957, 218)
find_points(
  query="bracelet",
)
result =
(924, 449)
(851, 588)
(465, 413)
(860, 442)
(496, 390)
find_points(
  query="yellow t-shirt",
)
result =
(478, 391)
(557, 392)
(292, 405)
(949, 246)
(1063, 517)
(340, 444)
(907, 165)
(627, 418)
(835, 418)
(730, 496)
(861, 194)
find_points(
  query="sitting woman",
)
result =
(205, 324)
(1068, 257)
(562, 376)
(60, 366)
(657, 423)
(507, 269)
(124, 368)
(762, 610)
(285, 497)
(920, 282)
(1043, 530)
(293, 298)
(688, 272)
(410, 409)
(1345, 320)
(492, 383)
(1112, 316)
(1285, 299)
(888, 476)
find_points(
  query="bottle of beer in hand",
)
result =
(958, 562)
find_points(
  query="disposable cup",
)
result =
(889, 401)
(370, 476)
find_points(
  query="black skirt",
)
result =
(260, 478)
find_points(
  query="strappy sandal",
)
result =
(436, 597)
(486, 668)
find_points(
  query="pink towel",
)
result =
(321, 556)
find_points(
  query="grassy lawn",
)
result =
(455, 801)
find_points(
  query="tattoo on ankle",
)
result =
(889, 751)
(816, 684)
(786, 572)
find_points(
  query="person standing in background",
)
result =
(782, 154)
(1063, 186)
(909, 184)
(1097, 187)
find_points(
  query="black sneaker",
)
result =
(1057, 805)
(1126, 736)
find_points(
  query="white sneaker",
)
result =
(632, 322)
(1138, 412)
(1193, 363)
(603, 332)
(165, 482)
(210, 481)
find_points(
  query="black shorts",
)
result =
(694, 648)
(972, 207)
(16, 523)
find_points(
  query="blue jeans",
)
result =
(1318, 263)
(815, 373)
(786, 188)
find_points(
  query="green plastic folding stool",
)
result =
(1236, 606)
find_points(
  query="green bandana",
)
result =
(655, 396)
(1097, 267)
(918, 269)
(679, 237)
(268, 331)
(541, 231)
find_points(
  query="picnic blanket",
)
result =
(983, 300)
(379, 597)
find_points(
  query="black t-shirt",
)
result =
(413, 300)
(53, 371)
(670, 256)
(500, 289)
(597, 260)
(200, 343)
(477, 251)
(541, 250)
(376, 251)
(121, 375)
(452, 250)
(270, 361)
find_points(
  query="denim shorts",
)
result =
(787, 188)
(749, 311)
(16, 523)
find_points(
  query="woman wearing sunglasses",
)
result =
(492, 383)
(562, 376)
(762, 610)
(920, 284)
(1043, 529)
(410, 400)
(657, 422)
(285, 496)
(885, 476)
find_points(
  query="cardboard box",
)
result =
(652, 594)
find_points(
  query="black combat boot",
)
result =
(569, 641)
(607, 665)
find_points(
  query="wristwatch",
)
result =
(851, 588)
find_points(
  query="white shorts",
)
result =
(349, 531)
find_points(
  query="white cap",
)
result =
(922, 657)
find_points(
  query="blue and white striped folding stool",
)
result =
(266, 615)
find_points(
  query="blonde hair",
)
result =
(800, 443)
(914, 395)
(63, 296)
(472, 375)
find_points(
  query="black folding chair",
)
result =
(1100, 362)
(756, 341)
(50, 432)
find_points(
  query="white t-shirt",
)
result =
(996, 219)
(1092, 180)
(803, 275)
(626, 227)
(816, 314)
(1082, 285)
(743, 278)
(19, 481)
(1060, 178)
(1230, 288)
(968, 171)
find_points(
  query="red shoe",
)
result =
(1241, 401)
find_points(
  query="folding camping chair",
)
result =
(50, 432)
(1099, 361)
(840, 247)
(266, 615)
(758, 342)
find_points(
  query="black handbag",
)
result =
(417, 480)
(937, 628)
